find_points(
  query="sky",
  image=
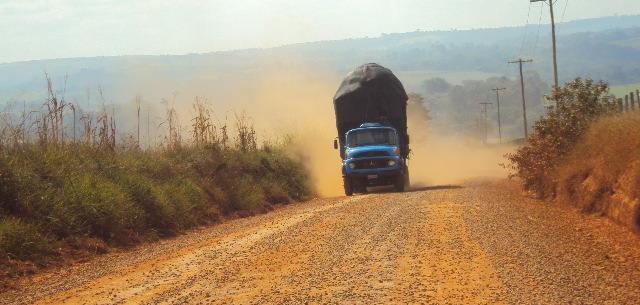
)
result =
(43, 29)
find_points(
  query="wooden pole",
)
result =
(74, 123)
(620, 105)
(626, 103)
(633, 101)
(524, 105)
(148, 124)
(555, 52)
(138, 121)
(484, 114)
(497, 90)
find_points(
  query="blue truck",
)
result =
(371, 117)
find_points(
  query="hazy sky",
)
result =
(37, 29)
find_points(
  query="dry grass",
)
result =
(602, 173)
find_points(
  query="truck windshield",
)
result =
(379, 136)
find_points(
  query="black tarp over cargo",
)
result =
(371, 94)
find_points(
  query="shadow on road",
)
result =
(434, 187)
(415, 188)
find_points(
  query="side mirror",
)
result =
(335, 143)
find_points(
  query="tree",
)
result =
(436, 85)
(579, 103)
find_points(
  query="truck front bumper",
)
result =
(375, 178)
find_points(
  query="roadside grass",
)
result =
(56, 192)
(585, 154)
(99, 188)
(23, 240)
(602, 173)
(579, 103)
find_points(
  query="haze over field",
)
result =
(118, 27)
(604, 48)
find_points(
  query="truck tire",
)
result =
(407, 181)
(348, 186)
(399, 185)
(402, 182)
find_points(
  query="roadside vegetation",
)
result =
(584, 153)
(61, 194)
(602, 173)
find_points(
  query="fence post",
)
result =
(620, 105)
(626, 103)
(633, 101)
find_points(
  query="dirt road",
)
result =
(476, 244)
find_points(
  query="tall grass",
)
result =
(602, 173)
(55, 187)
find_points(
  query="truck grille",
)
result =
(370, 163)
(371, 154)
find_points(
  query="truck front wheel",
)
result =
(402, 182)
(407, 182)
(399, 185)
(348, 186)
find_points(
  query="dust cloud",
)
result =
(294, 101)
(297, 103)
(441, 158)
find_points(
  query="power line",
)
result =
(566, 3)
(553, 40)
(535, 45)
(526, 30)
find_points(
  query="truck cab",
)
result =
(371, 157)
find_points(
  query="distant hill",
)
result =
(604, 48)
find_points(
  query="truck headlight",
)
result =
(391, 162)
(352, 165)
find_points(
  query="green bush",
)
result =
(90, 203)
(182, 203)
(21, 240)
(8, 189)
(274, 194)
(245, 194)
(578, 104)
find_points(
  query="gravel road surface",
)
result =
(478, 244)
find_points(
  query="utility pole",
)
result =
(524, 105)
(484, 114)
(553, 38)
(138, 100)
(497, 90)
(148, 137)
